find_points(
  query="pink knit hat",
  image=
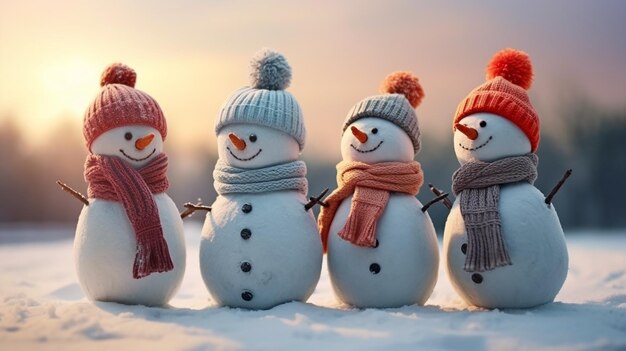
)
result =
(119, 104)
(509, 76)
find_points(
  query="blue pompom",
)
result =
(270, 70)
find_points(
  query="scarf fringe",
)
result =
(360, 227)
(152, 255)
(485, 247)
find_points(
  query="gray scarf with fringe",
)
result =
(284, 176)
(478, 184)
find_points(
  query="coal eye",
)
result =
(128, 135)
(252, 137)
(375, 130)
(483, 124)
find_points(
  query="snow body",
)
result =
(407, 256)
(531, 229)
(259, 250)
(105, 242)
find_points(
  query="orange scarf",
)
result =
(371, 185)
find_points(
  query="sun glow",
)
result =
(67, 87)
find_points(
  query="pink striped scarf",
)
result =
(111, 178)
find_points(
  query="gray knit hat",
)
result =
(266, 102)
(402, 93)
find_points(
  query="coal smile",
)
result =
(137, 159)
(477, 147)
(244, 159)
(366, 151)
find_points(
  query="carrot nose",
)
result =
(239, 143)
(469, 132)
(143, 142)
(361, 137)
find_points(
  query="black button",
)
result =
(464, 249)
(247, 295)
(246, 233)
(246, 208)
(376, 244)
(375, 268)
(477, 278)
(246, 267)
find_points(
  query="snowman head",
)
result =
(262, 124)
(123, 121)
(496, 119)
(373, 140)
(135, 144)
(384, 128)
(254, 146)
(487, 137)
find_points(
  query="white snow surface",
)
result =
(43, 308)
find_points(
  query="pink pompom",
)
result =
(512, 65)
(118, 73)
(406, 84)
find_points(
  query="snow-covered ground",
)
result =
(43, 308)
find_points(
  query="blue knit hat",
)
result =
(265, 102)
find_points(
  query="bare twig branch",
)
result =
(73, 192)
(435, 200)
(438, 192)
(190, 208)
(557, 187)
(316, 200)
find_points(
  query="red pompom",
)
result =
(118, 73)
(512, 65)
(406, 84)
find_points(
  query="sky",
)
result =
(191, 55)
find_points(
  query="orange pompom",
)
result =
(406, 84)
(512, 65)
(118, 73)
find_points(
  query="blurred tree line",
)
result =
(592, 142)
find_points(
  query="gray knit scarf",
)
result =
(285, 176)
(478, 184)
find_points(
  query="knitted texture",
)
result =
(276, 109)
(478, 184)
(265, 102)
(119, 104)
(391, 107)
(371, 185)
(505, 99)
(509, 75)
(111, 178)
(286, 176)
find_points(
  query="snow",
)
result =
(43, 308)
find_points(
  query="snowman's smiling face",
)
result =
(136, 144)
(253, 146)
(488, 137)
(373, 140)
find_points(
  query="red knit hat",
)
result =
(119, 104)
(509, 75)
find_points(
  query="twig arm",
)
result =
(438, 192)
(557, 187)
(316, 200)
(73, 192)
(190, 208)
(442, 196)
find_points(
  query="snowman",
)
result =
(382, 248)
(504, 245)
(260, 244)
(129, 245)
